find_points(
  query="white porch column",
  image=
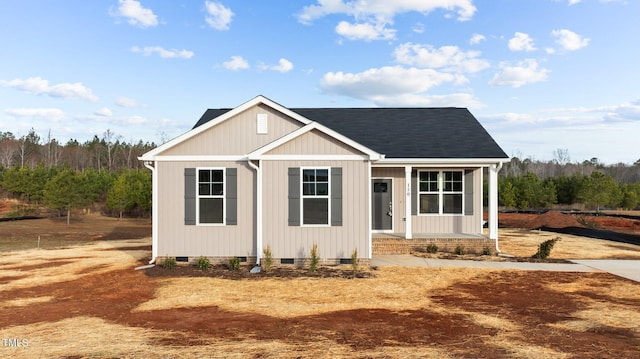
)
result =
(493, 203)
(407, 203)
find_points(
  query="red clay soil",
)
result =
(5, 207)
(554, 219)
(522, 297)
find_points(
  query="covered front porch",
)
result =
(434, 199)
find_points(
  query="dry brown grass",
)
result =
(75, 262)
(397, 289)
(394, 288)
(524, 243)
(97, 338)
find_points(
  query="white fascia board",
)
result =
(441, 162)
(185, 158)
(310, 157)
(314, 126)
(150, 156)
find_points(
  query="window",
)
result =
(211, 191)
(440, 192)
(452, 192)
(315, 196)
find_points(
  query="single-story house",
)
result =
(346, 179)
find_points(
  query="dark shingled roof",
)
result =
(404, 132)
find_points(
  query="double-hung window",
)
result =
(440, 192)
(211, 196)
(315, 196)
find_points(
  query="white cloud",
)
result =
(135, 120)
(424, 100)
(40, 86)
(521, 42)
(384, 10)
(377, 83)
(104, 112)
(236, 63)
(476, 39)
(49, 114)
(126, 102)
(569, 40)
(163, 53)
(418, 28)
(365, 31)
(373, 17)
(136, 14)
(219, 16)
(448, 58)
(573, 2)
(283, 65)
(525, 72)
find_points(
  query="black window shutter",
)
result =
(294, 196)
(414, 192)
(468, 192)
(336, 196)
(231, 195)
(189, 196)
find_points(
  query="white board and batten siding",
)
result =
(238, 135)
(178, 239)
(313, 142)
(333, 242)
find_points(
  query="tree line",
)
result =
(126, 192)
(108, 151)
(102, 173)
(590, 184)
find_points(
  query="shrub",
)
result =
(486, 251)
(234, 263)
(544, 250)
(314, 258)
(267, 260)
(203, 263)
(355, 262)
(169, 263)
(432, 248)
(459, 250)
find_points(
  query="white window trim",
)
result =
(223, 196)
(303, 197)
(440, 192)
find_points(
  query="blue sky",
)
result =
(540, 75)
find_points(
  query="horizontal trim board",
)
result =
(199, 158)
(390, 162)
(311, 157)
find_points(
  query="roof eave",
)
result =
(443, 162)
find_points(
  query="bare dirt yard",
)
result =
(82, 298)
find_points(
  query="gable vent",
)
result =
(262, 124)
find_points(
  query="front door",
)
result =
(382, 213)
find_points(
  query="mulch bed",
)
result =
(472, 257)
(222, 271)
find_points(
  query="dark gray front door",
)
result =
(382, 214)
